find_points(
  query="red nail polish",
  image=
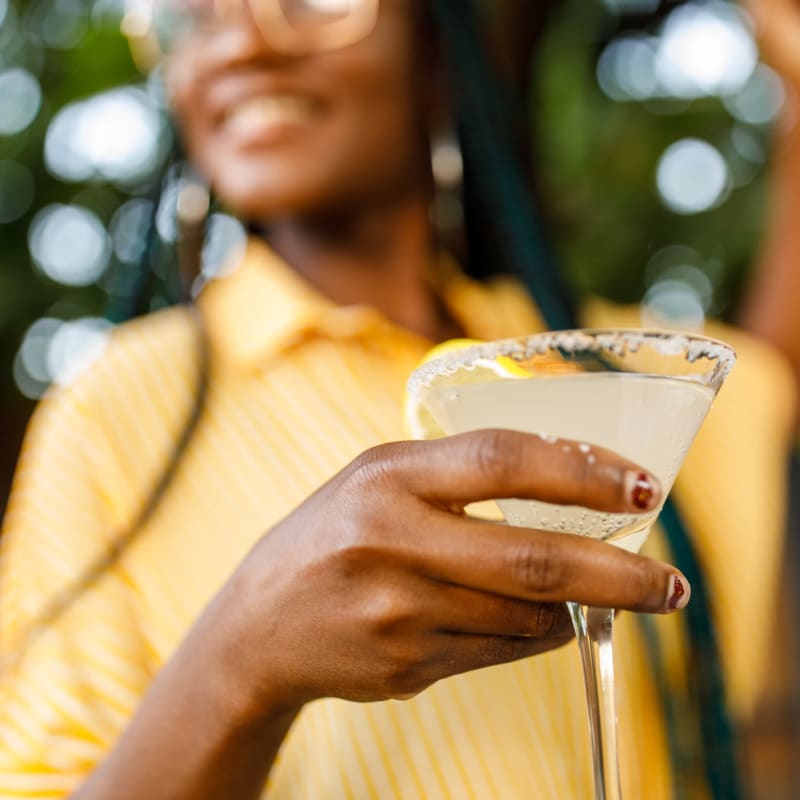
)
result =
(642, 492)
(678, 591)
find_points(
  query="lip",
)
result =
(265, 118)
(256, 109)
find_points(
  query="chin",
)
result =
(258, 193)
(259, 190)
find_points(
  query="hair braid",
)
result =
(502, 226)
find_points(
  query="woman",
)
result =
(266, 604)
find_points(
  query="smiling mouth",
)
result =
(264, 114)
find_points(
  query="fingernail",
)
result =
(678, 594)
(642, 490)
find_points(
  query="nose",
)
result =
(234, 41)
(230, 33)
(242, 37)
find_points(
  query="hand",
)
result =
(378, 585)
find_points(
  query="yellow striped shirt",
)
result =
(298, 387)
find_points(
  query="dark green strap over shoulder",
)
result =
(706, 681)
(63, 600)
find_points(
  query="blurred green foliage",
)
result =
(74, 50)
(597, 162)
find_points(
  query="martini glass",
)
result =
(642, 394)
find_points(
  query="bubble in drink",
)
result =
(642, 417)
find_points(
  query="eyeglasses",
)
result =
(289, 26)
(318, 24)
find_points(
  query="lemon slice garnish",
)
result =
(420, 423)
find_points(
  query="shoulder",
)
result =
(761, 372)
(142, 348)
(122, 415)
(155, 356)
(497, 308)
(516, 303)
(137, 353)
(93, 451)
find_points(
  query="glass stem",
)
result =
(593, 629)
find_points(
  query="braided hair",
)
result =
(503, 234)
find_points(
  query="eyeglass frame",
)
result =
(139, 26)
(333, 35)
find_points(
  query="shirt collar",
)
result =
(262, 307)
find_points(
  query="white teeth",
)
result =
(268, 112)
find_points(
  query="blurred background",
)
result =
(651, 131)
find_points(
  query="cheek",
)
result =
(341, 172)
(353, 156)
(365, 144)
(259, 187)
(377, 135)
(371, 143)
(189, 114)
(385, 108)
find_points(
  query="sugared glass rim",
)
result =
(615, 340)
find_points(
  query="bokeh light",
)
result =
(745, 156)
(19, 46)
(692, 176)
(673, 304)
(626, 69)
(54, 350)
(702, 49)
(69, 244)
(34, 347)
(693, 278)
(632, 6)
(117, 135)
(680, 288)
(166, 215)
(20, 100)
(110, 11)
(63, 24)
(74, 346)
(759, 100)
(17, 189)
(747, 145)
(129, 229)
(225, 243)
(668, 258)
(705, 49)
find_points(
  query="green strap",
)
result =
(706, 681)
(93, 572)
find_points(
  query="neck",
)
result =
(380, 258)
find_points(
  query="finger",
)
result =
(465, 652)
(461, 610)
(490, 464)
(456, 653)
(548, 567)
